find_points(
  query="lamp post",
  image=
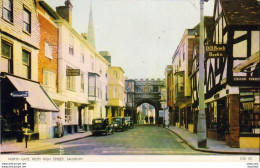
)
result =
(201, 127)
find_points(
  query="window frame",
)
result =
(10, 11)
(28, 64)
(25, 9)
(48, 46)
(10, 59)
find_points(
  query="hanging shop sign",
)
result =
(19, 94)
(73, 72)
(215, 51)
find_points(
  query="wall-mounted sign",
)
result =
(19, 94)
(243, 78)
(73, 72)
(213, 51)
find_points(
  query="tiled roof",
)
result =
(241, 12)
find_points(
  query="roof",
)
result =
(241, 12)
(49, 10)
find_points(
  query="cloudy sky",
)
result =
(141, 35)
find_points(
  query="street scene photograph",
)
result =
(130, 77)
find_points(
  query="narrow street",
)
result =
(142, 140)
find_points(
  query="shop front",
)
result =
(25, 114)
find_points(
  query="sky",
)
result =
(141, 35)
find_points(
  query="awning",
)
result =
(37, 97)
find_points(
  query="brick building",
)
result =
(20, 36)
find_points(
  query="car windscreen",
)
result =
(98, 121)
(127, 118)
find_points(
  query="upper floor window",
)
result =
(48, 50)
(82, 82)
(71, 45)
(26, 20)
(7, 57)
(82, 57)
(26, 69)
(49, 78)
(70, 83)
(8, 10)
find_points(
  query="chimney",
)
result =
(65, 11)
(84, 35)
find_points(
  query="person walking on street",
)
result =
(151, 120)
(146, 120)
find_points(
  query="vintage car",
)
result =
(119, 123)
(130, 122)
(101, 125)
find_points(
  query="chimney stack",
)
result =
(65, 11)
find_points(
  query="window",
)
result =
(7, 57)
(92, 85)
(26, 20)
(71, 45)
(8, 10)
(82, 58)
(70, 81)
(48, 50)
(26, 61)
(82, 82)
(69, 109)
(180, 83)
(115, 92)
(49, 78)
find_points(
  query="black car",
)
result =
(130, 122)
(119, 123)
(101, 125)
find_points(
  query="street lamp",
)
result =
(201, 127)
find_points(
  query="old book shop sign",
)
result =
(213, 51)
(73, 72)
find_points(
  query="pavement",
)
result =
(213, 146)
(14, 147)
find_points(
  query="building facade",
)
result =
(21, 110)
(116, 92)
(182, 65)
(232, 97)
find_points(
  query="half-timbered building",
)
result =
(232, 97)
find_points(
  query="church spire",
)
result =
(91, 34)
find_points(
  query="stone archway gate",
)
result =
(141, 91)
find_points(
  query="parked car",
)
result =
(101, 125)
(119, 123)
(130, 122)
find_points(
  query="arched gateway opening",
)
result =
(147, 111)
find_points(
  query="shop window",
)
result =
(8, 10)
(49, 78)
(26, 20)
(249, 112)
(26, 62)
(7, 57)
(69, 109)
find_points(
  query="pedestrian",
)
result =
(59, 132)
(146, 120)
(151, 120)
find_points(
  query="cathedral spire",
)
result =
(91, 34)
